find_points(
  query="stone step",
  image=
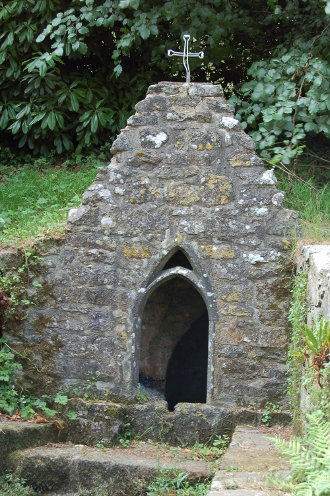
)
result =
(250, 459)
(64, 469)
(188, 423)
(15, 435)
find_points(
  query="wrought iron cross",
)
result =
(186, 54)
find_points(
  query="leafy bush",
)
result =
(286, 99)
(71, 72)
(309, 458)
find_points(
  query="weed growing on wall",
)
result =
(15, 400)
(270, 410)
(297, 318)
(13, 294)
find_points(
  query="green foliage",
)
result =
(286, 98)
(101, 445)
(309, 458)
(34, 201)
(317, 337)
(141, 395)
(11, 485)
(268, 414)
(168, 483)
(8, 371)
(68, 80)
(126, 439)
(211, 451)
(14, 400)
(13, 295)
(297, 318)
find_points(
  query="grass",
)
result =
(312, 202)
(34, 201)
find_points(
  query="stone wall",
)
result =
(314, 260)
(184, 175)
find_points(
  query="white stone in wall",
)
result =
(255, 258)
(260, 212)
(107, 222)
(158, 139)
(78, 212)
(277, 199)
(268, 177)
(229, 122)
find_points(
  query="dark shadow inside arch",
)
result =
(174, 343)
(179, 259)
(186, 376)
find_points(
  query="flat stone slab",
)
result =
(21, 434)
(247, 463)
(67, 468)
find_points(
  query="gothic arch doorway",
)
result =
(174, 343)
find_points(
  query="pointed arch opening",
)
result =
(178, 259)
(174, 343)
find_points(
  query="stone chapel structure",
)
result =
(173, 273)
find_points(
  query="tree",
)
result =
(71, 72)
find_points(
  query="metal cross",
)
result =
(185, 54)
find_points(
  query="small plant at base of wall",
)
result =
(269, 412)
(169, 482)
(126, 439)
(11, 485)
(141, 395)
(15, 401)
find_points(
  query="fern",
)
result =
(309, 458)
(317, 337)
